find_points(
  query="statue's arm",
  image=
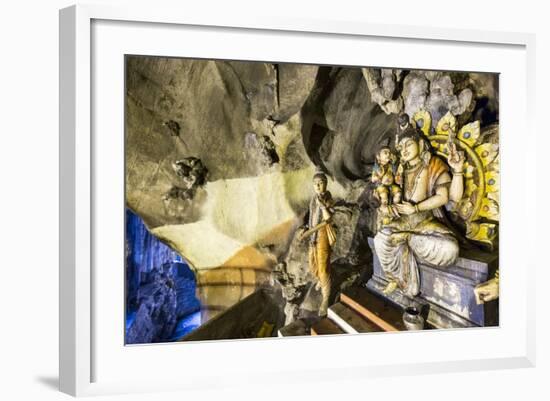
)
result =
(440, 198)
(327, 207)
(456, 161)
(376, 176)
(444, 194)
(457, 188)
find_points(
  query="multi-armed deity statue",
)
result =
(411, 232)
(449, 204)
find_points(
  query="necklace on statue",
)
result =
(412, 176)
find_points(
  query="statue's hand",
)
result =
(405, 208)
(394, 211)
(388, 211)
(456, 158)
(487, 291)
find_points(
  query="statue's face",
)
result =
(410, 149)
(384, 157)
(319, 185)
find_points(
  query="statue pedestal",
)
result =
(447, 292)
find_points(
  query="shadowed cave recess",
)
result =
(219, 161)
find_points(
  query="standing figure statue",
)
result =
(414, 234)
(321, 235)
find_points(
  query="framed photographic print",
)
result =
(341, 194)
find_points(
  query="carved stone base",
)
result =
(447, 293)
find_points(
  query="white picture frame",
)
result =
(91, 360)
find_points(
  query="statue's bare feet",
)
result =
(391, 287)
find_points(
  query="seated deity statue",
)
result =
(414, 232)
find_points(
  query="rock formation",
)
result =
(156, 317)
(160, 289)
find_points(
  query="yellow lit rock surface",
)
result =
(240, 214)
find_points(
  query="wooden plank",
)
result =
(349, 320)
(325, 326)
(384, 314)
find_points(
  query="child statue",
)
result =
(386, 175)
(321, 236)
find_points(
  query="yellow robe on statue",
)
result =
(320, 246)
